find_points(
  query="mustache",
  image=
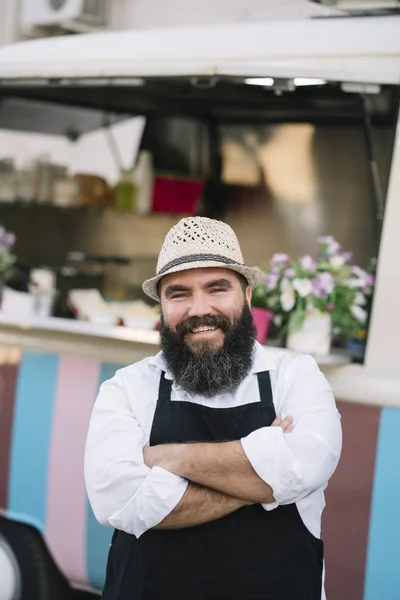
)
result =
(191, 323)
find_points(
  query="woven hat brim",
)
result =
(251, 274)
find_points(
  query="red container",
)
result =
(174, 195)
(262, 318)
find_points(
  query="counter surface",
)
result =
(68, 336)
(350, 382)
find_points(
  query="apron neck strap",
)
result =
(164, 391)
(264, 385)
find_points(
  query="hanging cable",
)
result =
(372, 161)
(112, 143)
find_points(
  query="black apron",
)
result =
(250, 554)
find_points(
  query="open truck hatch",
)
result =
(73, 84)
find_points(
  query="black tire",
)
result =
(40, 579)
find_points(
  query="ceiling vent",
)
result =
(67, 15)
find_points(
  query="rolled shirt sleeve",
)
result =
(298, 463)
(123, 492)
(155, 498)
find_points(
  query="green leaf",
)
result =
(296, 319)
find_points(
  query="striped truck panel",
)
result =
(45, 406)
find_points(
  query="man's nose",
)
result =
(200, 305)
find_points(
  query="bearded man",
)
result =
(210, 459)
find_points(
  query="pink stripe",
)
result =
(77, 386)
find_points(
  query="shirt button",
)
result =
(289, 479)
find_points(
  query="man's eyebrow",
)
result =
(224, 283)
(172, 289)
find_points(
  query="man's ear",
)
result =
(248, 295)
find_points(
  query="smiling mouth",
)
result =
(203, 329)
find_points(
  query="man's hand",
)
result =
(165, 455)
(286, 424)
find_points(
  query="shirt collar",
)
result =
(261, 362)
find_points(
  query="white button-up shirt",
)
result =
(128, 495)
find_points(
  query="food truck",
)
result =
(51, 367)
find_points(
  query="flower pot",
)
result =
(262, 318)
(315, 335)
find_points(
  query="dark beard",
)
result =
(209, 371)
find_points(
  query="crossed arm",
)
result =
(221, 479)
(200, 505)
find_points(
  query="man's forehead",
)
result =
(200, 276)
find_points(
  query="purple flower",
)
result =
(347, 256)
(359, 272)
(327, 282)
(289, 273)
(316, 288)
(333, 247)
(325, 239)
(322, 285)
(363, 278)
(9, 239)
(330, 306)
(272, 281)
(370, 280)
(279, 259)
(308, 263)
(368, 284)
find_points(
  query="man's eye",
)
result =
(216, 290)
(176, 296)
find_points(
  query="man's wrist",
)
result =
(174, 458)
(166, 456)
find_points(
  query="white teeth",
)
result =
(203, 328)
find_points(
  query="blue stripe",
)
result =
(383, 573)
(98, 537)
(33, 415)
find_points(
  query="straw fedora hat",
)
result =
(198, 242)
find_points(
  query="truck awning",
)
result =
(337, 49)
